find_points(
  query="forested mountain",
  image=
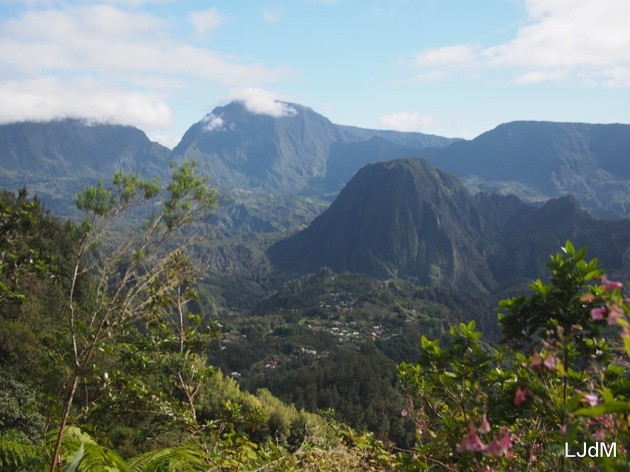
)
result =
(69, 148)
(405, 218)
(542, 160)
(55, 159)
(301, 151)
(277, 153)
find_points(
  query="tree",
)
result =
(130, 280)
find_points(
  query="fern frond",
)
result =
(17, 456)
(170, 459)
(84, 454)
(92, 457)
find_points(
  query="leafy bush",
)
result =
(559, 381)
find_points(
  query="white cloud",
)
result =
(580, 40)
(165, 140)
(261, 102)
(617, 76)
(569, 33)
(213, 122)
(457, 56)
(51, 98)
(537, 76)
(113, 42)
(272, 15)
(441, 63)
(132, 53)
(405, 121)
(206, 21)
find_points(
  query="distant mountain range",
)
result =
(541, 160)
(56, 159)
(302, 152)
(76, 149)
(405, 218)
(285, 154)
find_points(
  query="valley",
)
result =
(331, 253)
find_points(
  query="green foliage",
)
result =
(554, 304)
(449, 388)
(19, 408)
(96, 200)
(22, 254)
(132, 279)
(188, 195)
(172, 459)
(83, 454)
(17, 456)
(511, 410)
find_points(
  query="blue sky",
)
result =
(447, 67)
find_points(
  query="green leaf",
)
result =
(15, 454)
(76, 460)
(189, 458)
(568, 248)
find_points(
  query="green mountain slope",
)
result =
(541, 160)
(285, 153)
(55, 159)
(74, 149)
(405, 218)
(400, 218)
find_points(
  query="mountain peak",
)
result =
(274, 146)
(400, 218)
(262, 107)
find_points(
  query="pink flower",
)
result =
(520, 396)
(610, 285)
(550, 362)
(536, 361)
(484, 427)
(598, 313)
(563, 430)
(499, 446)
(404, 413)
(591, 399)
(471, 441)
(600, 434)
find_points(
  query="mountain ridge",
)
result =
(405, 218)
(548, 159)
(77, 148)
(301, 152)
(284, 153)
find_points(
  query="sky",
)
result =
(453, 68)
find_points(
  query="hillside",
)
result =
(55, 159)
(284, 153)
(144, 406)
(330, 341)
(405, 218)
(542, 160)
(77, 149)
(303, 152)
